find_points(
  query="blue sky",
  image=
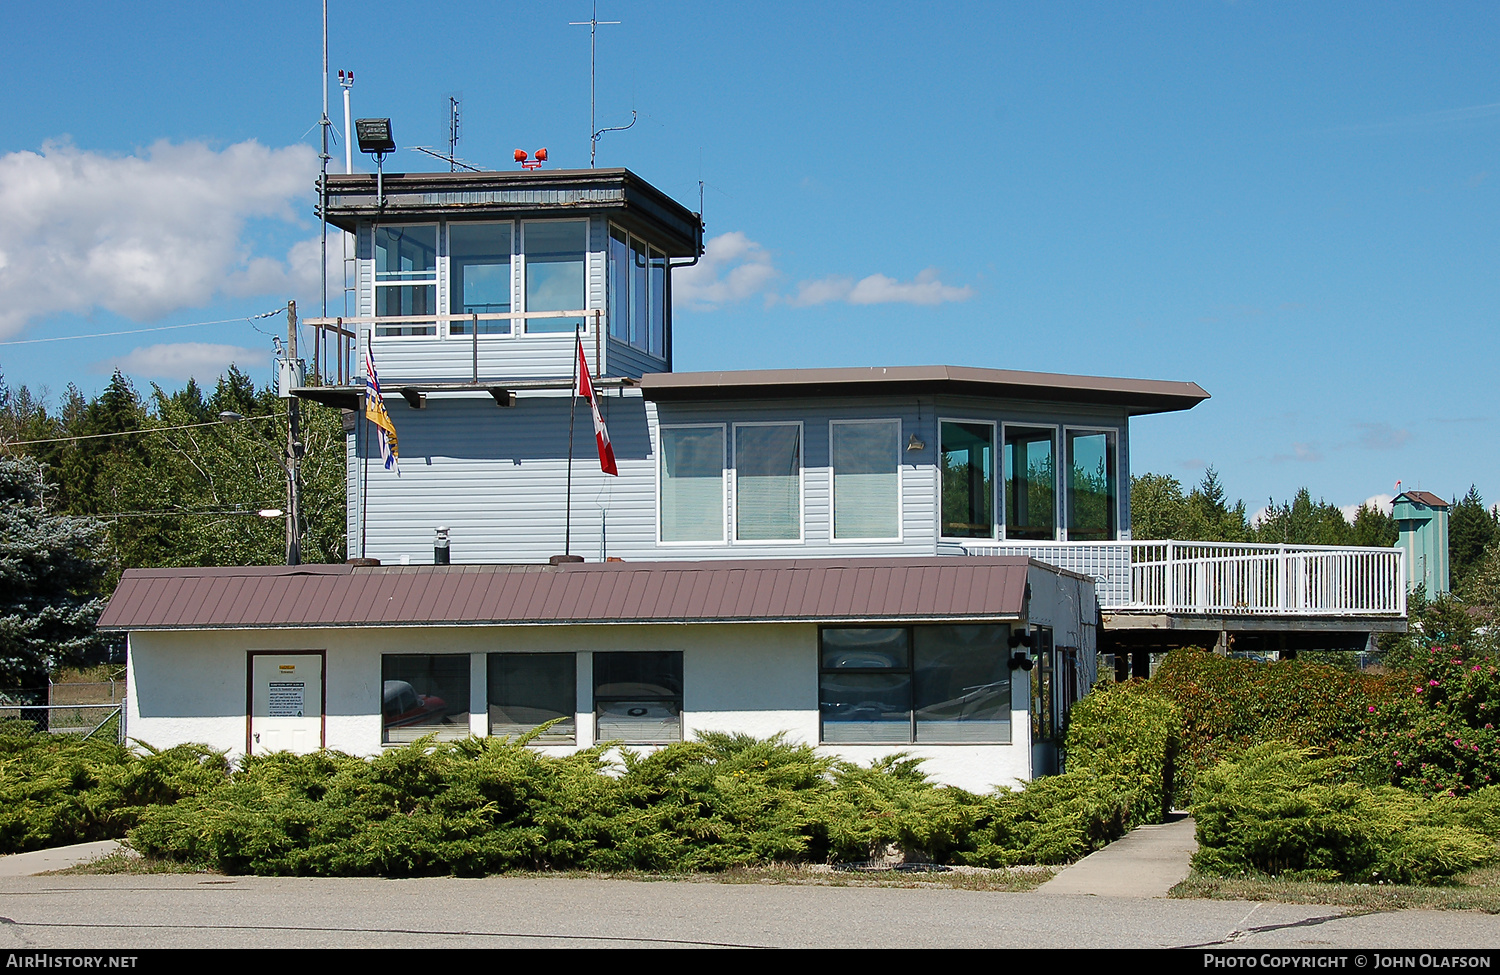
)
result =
(1292, 204)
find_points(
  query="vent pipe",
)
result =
(440, 554)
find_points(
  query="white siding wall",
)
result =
(759, 679)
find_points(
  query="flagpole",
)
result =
(572, 404)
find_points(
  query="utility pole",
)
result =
(293, 448)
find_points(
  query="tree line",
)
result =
(90, 487)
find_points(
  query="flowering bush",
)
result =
(1439, 735)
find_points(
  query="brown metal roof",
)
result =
(1424, 497)
(812, 590)
(1138, 396)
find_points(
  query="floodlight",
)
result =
(374, 135)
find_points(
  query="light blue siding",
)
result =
(497, 477)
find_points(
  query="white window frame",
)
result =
(724, 479)
(1066, 470)
(832, 500)
(445, 262)
(997, 474)
(438, 283)
(734, 506)
(519, 275)
(1057, 485)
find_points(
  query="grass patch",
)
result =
(126, 862)
(1476, 890)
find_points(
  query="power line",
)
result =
(131, 433)
(137, 331)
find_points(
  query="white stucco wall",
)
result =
(758, 679)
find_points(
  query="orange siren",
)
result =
(520, 155)
(542, 154)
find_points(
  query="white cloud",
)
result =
(878, 289)
(733, 267)
(147, 234)
(202, 361)
(1380, 502)
(926, 289)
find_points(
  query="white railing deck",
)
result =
(1228, 578)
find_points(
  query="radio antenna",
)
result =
(455, 106)
(593, 25)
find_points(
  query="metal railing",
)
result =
(1231, 578)
(339, 349)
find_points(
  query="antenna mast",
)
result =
(323, 123)
(455, 104)
(593, 25)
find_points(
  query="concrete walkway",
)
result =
(41, 861)
(1147, 862)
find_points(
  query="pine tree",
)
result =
(49, 580)
(1471, 529)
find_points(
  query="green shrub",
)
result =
(1229, 705)
(1280, 811)
(1122, 744)
(55, 791)
(1056, 819)
(1439, 735)
(1125, 730)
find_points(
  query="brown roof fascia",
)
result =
(1138, 396)
(1424, 497)
(352, 196)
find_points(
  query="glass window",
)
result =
(638, 697)
(968, 475)
(406, 278)
(692, 484)
(866, 479)
(1045, 725)
(479, 279)
(1030, 483)
(1091, 485)
(424, 694)
(556, 257)
(962, 683)
(637, 293)
(640, 295)
(919, 684)
(864, 693)
(619, 284)
(768, 482)
(530, 689)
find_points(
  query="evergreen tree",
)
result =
(1471, 529)
(1303, 521)
(1209, 516)
(1157, 507)
(50, 579)
(1373, 527)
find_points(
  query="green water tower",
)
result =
(1422, 520)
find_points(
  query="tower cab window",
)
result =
(637, 293)
(479, 277)
(555, 258)
(406, 279)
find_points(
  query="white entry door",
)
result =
(286, 702)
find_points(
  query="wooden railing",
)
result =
(1228, 578)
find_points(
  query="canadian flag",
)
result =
(585, 388)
